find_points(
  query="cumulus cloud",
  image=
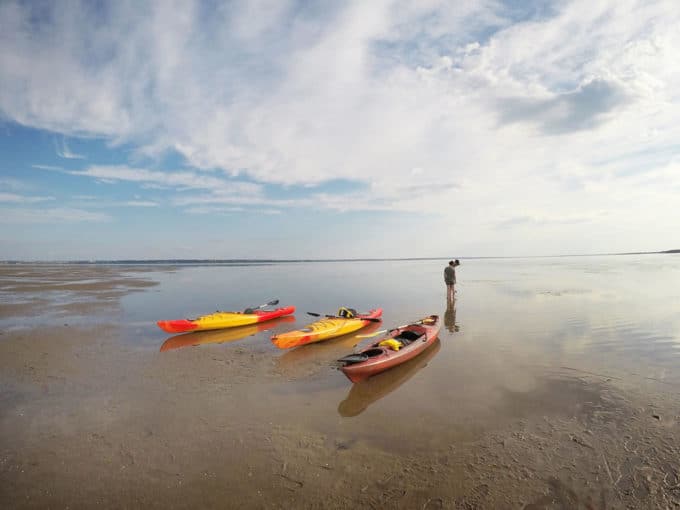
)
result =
(496, 105)
(583, 108)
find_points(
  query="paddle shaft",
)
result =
(376, 333)
(369, 319)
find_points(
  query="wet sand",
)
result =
(87, 419)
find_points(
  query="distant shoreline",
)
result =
(232, 262)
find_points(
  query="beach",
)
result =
(100, 408)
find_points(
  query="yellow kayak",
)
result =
(220, 320)
(324, 329)
(219, 336)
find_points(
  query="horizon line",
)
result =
(358, 259)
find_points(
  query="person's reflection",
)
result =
(450, 315)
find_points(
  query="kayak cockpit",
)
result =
(409, 336)
(362, 356)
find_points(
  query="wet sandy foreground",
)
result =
(89, 420)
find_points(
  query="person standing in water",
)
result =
(450, 278)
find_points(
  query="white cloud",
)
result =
(47, 167)
(9, 183)
(461, 110)
(63, 151)
(213, 210)
(217, 210)
(140, 203)
(539, 219)
(22, 199)
(49, 216)
(177, 180)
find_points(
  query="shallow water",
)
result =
(618, 312)
(540, 348)
(515, 326)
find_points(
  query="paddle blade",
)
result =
(253, 308)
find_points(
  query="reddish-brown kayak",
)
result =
(401, 344)
(364, 393)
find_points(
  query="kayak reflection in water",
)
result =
(364, 393)
(325, 352)
(450, 316)
(306, 359)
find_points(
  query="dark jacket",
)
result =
(449, 275)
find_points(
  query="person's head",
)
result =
(457, 262)
(452, 263)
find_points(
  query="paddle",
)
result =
(313, 314)
(270, 303)
(376, 333)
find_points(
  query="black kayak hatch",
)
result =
(353, 358)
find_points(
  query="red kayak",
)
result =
(401, 344)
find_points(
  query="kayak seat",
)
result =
(347, 313)
(408, 335)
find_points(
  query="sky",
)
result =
(287, 129)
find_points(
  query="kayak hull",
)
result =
(220, 336)
(221, 320)
(325, 329)
(379, 358)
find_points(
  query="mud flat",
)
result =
(89, 418)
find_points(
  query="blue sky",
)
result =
(391, 128)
